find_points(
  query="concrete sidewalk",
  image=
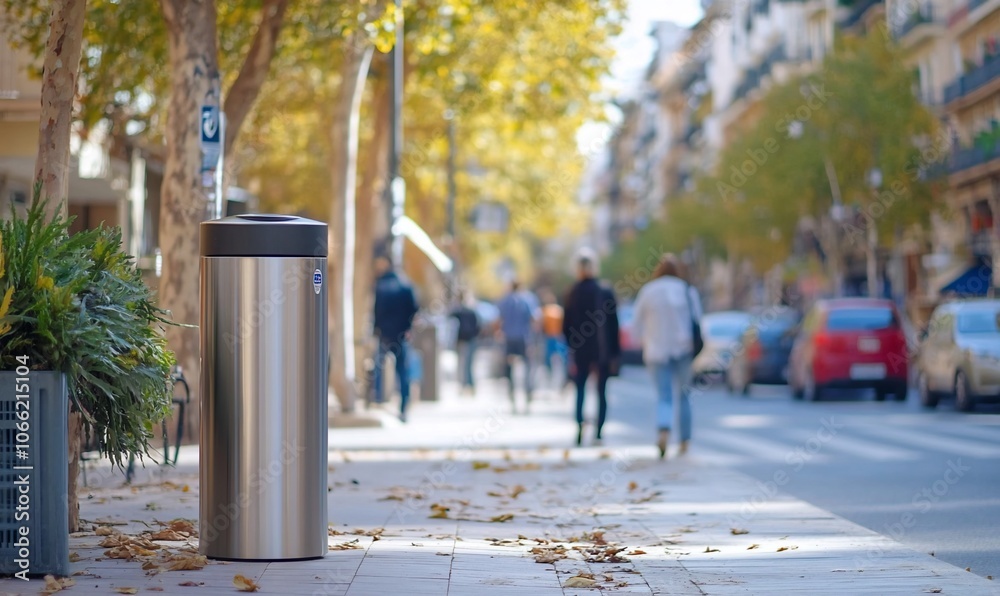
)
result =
(471, 517)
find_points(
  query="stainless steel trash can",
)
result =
(263, 388)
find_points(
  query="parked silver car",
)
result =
(722, 332)
(960, 354)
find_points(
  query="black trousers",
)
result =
(584, 367)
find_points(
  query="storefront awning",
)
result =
(974, 281)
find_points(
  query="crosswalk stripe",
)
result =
(931, 441)
(749, 445)
(971, 431)
(870, 450)
(701, 452)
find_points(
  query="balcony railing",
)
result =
(924, 16)
(981, 243)
(858, 10)
(969, 157)
(972, 80)
(754, 76)
(974, 4)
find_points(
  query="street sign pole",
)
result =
(220, 169)
(211, 156)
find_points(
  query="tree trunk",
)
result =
(75, 445)
(370, 214)
(343, 168)
(253, 73)
(191, 32)
(59, 78)
(52, 172)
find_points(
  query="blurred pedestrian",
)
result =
(468, 332)
(665, 312)
(518, 317)
(395, 307)
(590, 326)
(555, 344)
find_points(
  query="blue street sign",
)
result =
(209, 124)
(211, 145)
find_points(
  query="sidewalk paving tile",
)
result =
(685, 527)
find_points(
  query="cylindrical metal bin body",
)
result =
(264, 405)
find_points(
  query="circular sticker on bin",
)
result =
(317, 280)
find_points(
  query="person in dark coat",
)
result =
(395, 307)
(590, 326)
(468, 334)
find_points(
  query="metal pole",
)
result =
(220, 170)
(397, 188)
(873, 289)
(451, 176)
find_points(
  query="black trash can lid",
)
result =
(263, 235)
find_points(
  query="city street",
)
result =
(926, 479)
(875, 464)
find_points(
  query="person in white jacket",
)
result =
(664, 311)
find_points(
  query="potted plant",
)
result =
(76, 307)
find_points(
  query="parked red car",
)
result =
(850, 342)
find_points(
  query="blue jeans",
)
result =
(398, 350)
(466, 355)
(554, 346)
(672, 379)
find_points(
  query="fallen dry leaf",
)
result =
(353, 544)
(579, 582)
(154, 589)
(637, 552)
(127, 590)
(53, 585)
(632, 486)
(106, 531)
(392, 498)
(503, 517)
(480, 465)
(169, 535)
(753, 546)
(648, 497)
(738, 531)
(190, 584)
(186, 563)
(709, 549)
(528, 467)
(517, 490)
(74, 557)
(784, 548)
(183, 525)
(244, 584)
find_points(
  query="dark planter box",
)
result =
(34, 514)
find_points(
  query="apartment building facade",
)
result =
(709, 91)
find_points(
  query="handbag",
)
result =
(697, 341)
(614, 362)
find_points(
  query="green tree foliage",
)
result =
(519, 79)
(123, 72)
(78, 305)
(859, 112)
